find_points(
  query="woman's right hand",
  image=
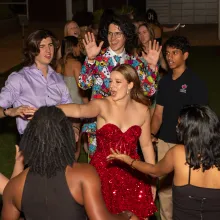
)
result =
(92, 50)
(119, 156)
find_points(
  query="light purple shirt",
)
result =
(30, 87)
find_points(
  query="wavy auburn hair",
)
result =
(131, 75)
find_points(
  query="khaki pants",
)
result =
(165, 190)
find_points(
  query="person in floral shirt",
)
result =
(95, 72)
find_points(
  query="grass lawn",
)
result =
(203, 60)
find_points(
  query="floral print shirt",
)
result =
(97, 75)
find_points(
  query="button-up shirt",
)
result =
(30, 87)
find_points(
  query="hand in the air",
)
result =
(153, 54)
(92, 50)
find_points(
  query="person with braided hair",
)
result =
(54, 186)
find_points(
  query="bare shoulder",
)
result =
(100, 102)
(178, 152)
(83, 171)
(17, 182)
(58, 68)
(143, 109)
(74, 62)
(179, 148)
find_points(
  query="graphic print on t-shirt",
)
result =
(183, 88)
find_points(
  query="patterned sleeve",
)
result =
(148, 78)
(85, 77)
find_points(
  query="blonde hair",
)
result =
(66, 27)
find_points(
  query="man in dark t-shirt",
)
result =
(178, 88)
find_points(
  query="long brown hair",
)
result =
(140, 47)
(32, 45)
(131, 75)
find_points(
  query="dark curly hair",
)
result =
(126, 26)
(103, 25)
(32, 45)
(48, 143)
(178, 42)
(199, 131)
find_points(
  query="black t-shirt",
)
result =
(173, 95)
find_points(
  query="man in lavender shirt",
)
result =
(36, 84)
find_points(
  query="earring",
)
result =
(128, 91)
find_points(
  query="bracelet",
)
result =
(131, 165)
(4, 112)
(76, 127)
(128, 213)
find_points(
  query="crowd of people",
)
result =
(145, 114)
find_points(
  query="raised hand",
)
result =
(92, 50)
(153, 54)
(119, 156)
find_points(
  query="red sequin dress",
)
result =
(123, 188)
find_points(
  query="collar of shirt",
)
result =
(34, 67)
(122, 55)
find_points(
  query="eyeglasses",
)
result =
(115, 34)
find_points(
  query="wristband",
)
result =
(132, 163)
(128, 213)
(76, 127)
(4, 112)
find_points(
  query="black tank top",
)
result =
(195, 203)
(49, 199)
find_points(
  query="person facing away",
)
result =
(195, 162)
(69, 65)
(99, 63)
(36, 84)
(178, 88)
(54, 186)
(122, 119)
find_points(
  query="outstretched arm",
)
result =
(89, 110)
(164, 166)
